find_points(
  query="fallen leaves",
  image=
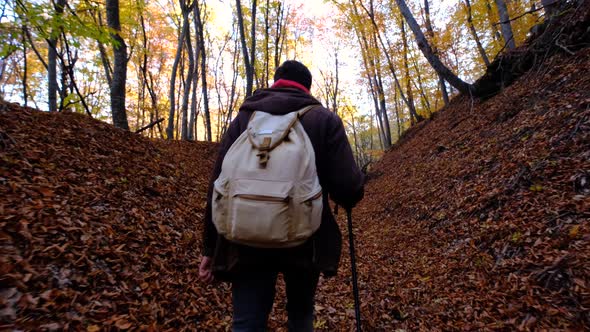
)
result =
(99, 227)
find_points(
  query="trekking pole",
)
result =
(355, 288)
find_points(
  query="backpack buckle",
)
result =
(264, 150)
(264, 157)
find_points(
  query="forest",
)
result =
(469, 118)
(180, 69)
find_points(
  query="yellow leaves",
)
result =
(515, 237)
(574, 231)
(320, 324)
(536, 188)
(93, 328)
(440, 216)
(425, 279)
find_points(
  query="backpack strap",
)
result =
(304, 110)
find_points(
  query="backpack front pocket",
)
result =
(260, 213)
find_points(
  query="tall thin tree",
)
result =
(52, 60)
(119, 113)
(247, 60)
(184, 31)
(200, 13)
(505, 25)
(434, 60)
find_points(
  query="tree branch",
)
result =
(149, 125)
(519, 16)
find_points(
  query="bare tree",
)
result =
(280, 32)
(331, 85)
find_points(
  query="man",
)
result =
(253, 271)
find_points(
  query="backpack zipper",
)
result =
(264, 198)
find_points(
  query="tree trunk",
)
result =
(25, 96)
(247, 63)
(204, 90)
(377, 35)
(397, 116)
(52, 61)
(281, 24)
(336, 87)
(354, 136)
(505, 25)
(252, 47)
(232, 96)
(482, 51)
(430, 32)
(370, 68)
(420, 87)
(408, 80)
(197, 52)
(120, 66)
(434, 61)
(52, 74)
(491, 21)
(108, 69)
(265, 77)
(380, 126)
(187, 86)
(172, 96)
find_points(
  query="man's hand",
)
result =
(206, 269)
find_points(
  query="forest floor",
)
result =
(478, 219)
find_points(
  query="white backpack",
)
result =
(268, 194)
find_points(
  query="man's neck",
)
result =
(283, 83)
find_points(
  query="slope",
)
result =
(99, 227)
(479, 218)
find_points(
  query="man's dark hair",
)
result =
(294, 71)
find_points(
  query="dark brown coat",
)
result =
(340, 178)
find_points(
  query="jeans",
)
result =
(253, 296)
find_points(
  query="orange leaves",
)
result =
(84, 250)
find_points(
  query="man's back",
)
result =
(253, 271)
